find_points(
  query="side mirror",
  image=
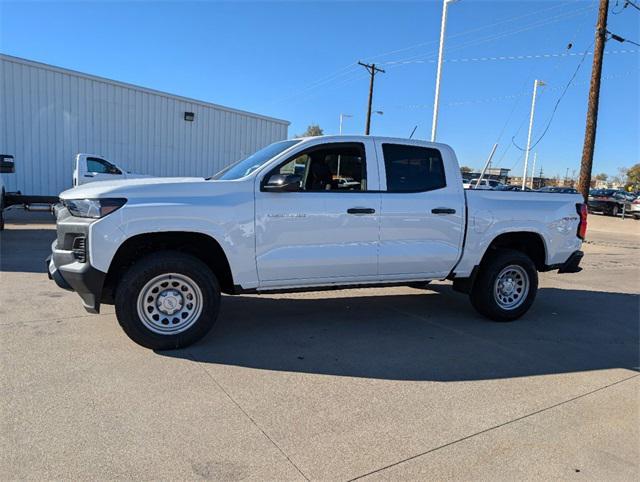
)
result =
(7, 166)
(283, 183)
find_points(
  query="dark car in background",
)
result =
(608, 201)
(558, 189)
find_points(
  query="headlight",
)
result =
(93, 208)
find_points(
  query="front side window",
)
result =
(100, 166)
(337, 167)
(247, 166)
(413, 168)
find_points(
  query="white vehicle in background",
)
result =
(91, 168)
(162, 250)
(6, 167)
(484, 184)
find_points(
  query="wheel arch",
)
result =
(530, 243)
(200, 245)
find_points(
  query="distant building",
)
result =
(49, 114)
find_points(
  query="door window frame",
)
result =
(370, 162)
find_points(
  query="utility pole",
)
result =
(536, 83)
(373, 70)
(594, 98)
(436, 100)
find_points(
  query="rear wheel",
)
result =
(506, 286)
(167, 300)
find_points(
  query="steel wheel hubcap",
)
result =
(511, 287)
(169, 304)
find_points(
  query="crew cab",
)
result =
(91, 168)
(164, 249)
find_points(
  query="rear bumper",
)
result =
(572, 265)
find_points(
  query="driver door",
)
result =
(326, 230)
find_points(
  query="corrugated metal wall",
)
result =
(47, 115)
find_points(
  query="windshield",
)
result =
(254, 161)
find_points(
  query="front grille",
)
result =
(80, 248)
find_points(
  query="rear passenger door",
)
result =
(422, 210)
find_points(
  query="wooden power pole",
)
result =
(594, 97)
(373, 70)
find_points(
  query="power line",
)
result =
(515, 57)
(555, 107)
(620, 39)
(467, 32)
(492, 37)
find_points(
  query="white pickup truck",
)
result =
(91, 168)
(162, 250)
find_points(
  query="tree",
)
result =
(633, 176)
(312, 131)
(465, 169)
(601, 177)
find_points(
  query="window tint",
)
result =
(337, 167)
(101, 166)
(413, 168)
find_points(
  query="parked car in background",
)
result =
(559, 189)
(92, 168)
(162, 250)
(484, 184)
(609, 201)
(634, 208)
(510, 187)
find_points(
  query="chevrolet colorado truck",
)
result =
(306, 214)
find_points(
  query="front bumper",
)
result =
(67, 271)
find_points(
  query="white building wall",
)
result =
(48, 114)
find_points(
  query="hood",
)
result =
(147, 186)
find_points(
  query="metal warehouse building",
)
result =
(49, 114)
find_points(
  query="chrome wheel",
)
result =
(169, 304)
(511, 287)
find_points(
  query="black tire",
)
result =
(614, 211)
(483, 294)
(156, 265)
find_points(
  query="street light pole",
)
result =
(343, 116)
(533, 167)
(436, 100)
(536, 83)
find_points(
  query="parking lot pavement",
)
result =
(394, 383)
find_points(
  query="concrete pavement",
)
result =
(394, 383)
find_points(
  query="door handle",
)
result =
(361, 211)
(443, 211)
(90, 175)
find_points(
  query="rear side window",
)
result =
(413, 168)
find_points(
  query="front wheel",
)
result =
(167, 300)
(506, 286)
